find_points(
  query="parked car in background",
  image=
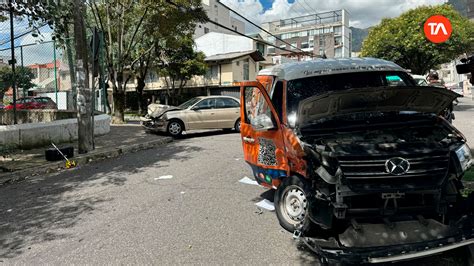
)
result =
(420, 80)
(206, 112)
(2, 106)
(29, 103)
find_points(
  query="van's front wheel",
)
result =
(292, 205)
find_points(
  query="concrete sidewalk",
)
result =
(19, 164)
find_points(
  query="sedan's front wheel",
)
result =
(175, 128)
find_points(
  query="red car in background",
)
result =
(33, 103)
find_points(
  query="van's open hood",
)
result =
(379, 99)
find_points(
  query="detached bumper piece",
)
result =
(375, 243)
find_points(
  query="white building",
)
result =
(323, 34)
(220, 14)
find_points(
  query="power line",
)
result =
(308, 5)
(264, 30)
(300, 4)
(238, 33)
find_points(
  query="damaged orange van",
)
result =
(363, 165)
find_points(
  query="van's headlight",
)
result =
(464, 156)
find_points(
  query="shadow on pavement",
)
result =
(37, 210)
(200, 134)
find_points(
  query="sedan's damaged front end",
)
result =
(386, 181)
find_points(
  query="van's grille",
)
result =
(427, 171)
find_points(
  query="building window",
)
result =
(261, 48)
(237, 63)
(246, 70)
(283, 46)
(206, 30)
(320, 41)
(338, 40)
(271, 50)
(338, 29)
(294, 46)
(338, 52)
(304, 45)
(212, 72)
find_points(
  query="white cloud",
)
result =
(362, 13)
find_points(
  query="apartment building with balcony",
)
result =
(324, 34)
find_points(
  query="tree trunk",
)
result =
(119, 106)
(140, 88)
(85, 133)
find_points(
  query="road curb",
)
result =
(82, 159)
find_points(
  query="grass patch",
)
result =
(469, 175)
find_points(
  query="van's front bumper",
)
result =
(332, 251)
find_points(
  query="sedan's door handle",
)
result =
(249, 140)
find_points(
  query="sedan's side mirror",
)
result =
(195, 108)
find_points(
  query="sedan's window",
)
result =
(189, 103)
(226, 103)
(206, 104)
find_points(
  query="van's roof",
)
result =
(319, 67)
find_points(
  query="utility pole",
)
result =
(82, 78)
(13, 61)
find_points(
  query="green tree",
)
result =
(179, 63)
(136, 31)
(165, 24)
(23, 79)
(403, 41)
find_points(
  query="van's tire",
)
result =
(292, 206)
(237, 125)
(175, 128)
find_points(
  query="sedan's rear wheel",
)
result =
(237, 125)
(175, 128)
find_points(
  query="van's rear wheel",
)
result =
(292, 205)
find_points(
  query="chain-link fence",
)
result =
(47, 65)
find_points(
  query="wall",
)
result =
(227, 74)
(62, 98)
(33, 135)
(218, 43)
(34, 116)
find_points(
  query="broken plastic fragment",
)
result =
(248, 181)
(266, 204)
(164, 177)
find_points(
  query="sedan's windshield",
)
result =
(189, 103)
(300, 89)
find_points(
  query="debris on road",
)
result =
(164, 177)
(266, 204)
(248, 181)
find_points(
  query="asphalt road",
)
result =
(118, 211)
(115, 211)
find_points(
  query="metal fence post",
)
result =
(12, 44)
(55, 74)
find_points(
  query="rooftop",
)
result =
(319, 67)
(308, 20)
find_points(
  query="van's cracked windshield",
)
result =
(237, 132)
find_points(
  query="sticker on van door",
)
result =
(266, 152)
